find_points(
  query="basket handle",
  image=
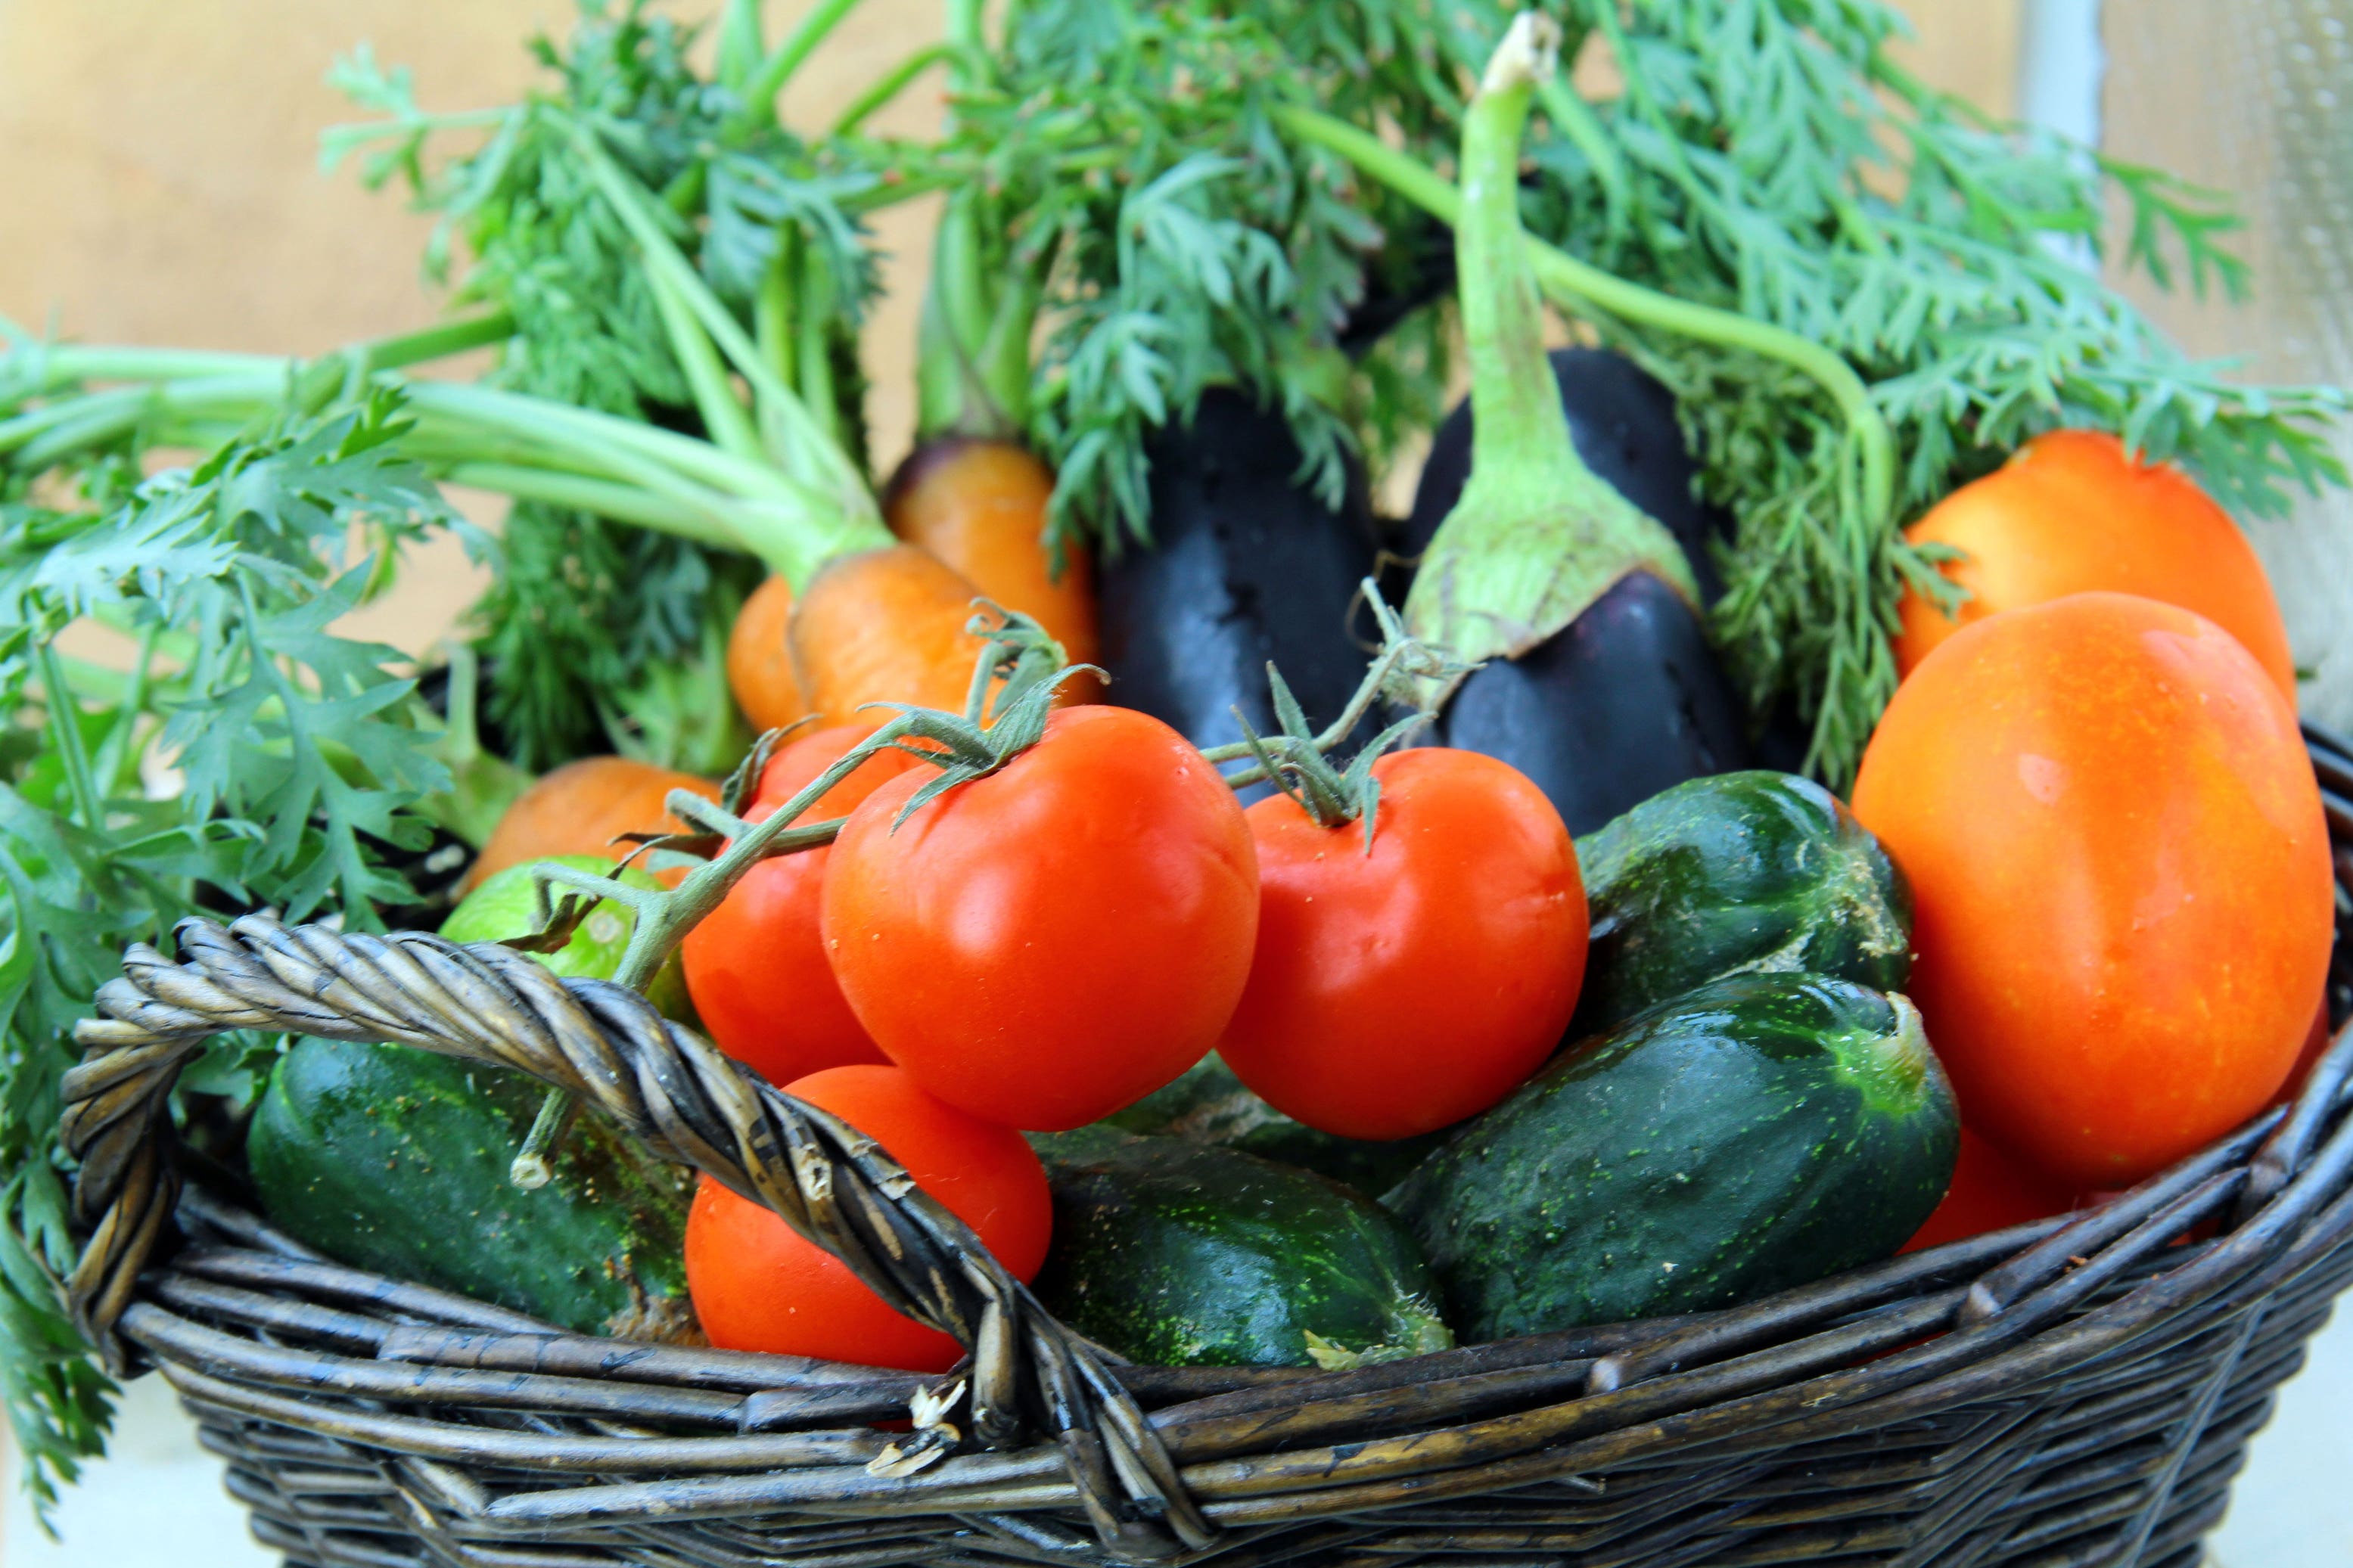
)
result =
(663, 1084)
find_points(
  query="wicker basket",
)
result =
(2074, 1391)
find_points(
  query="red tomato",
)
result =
(756, 1286)
(1990, 1191)
(2073, 512)
(1054, 941)
(1398, 992)
(2121, 876)
(755, 965)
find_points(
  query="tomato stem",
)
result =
(533, 1166)
(1331, 797)
(1406, 671)
(1014, 681)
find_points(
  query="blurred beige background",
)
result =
(158, 183)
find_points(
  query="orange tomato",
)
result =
(1990, 1191)
(756, 1286)
(884, 626)
(2121, 876)
(980, 506)
(579, 809)
(2073, 512)
(760, 658)
(755, 965)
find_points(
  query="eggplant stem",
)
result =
(1570, 284)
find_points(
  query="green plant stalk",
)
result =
(758, 109)
(622, 503)
(724, 418)
(81, 778)
(1573, 283)
(497, 440)
(945, 330)
(972, 363)
(117, 755)
(892, 83)
(760, 96)
(109, 416)
(771, 316)
(362, 360)
(481, 784)
(192, 379)
(56, 366)
(809, 455)
(813, 324)
(741, 45)
(1575, 120)
(1538, 536)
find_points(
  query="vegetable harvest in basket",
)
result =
(1513, 999)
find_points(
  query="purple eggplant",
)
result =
(1578, 601)
(1246, 566)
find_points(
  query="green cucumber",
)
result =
(1731, 873)
(395, 1160)
(1761, 1132)
(1210, 1105)
(1180, 1254)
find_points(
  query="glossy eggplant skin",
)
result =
(1624, 422)
(1246, 566)
(1624, 701)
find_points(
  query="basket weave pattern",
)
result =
(2074, 1391)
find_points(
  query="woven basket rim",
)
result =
(1152, 1464)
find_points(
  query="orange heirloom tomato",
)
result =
(756, 1286)
(1398, 991)
(1990, 1191)
(2073, 512)
(755, 965)
(1045, 945)
(2121, 878)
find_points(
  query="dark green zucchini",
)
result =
(395, 1160)
(1736, 872)
(1759, 1132)
(1210, 1105)
(1180, 1254)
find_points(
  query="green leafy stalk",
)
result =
(981, 300)
(615, 217)
(298, 768)
(1192, 243)
(1536, 537)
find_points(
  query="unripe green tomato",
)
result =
(506, 906)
